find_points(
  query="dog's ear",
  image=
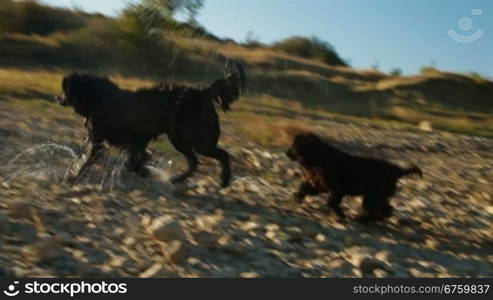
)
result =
(306, 138)
(68, 81)
(306, 143)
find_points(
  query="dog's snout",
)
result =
(62, 100)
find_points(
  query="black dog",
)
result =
(327, 169)
(130, 120)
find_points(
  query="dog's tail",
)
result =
(412, 170)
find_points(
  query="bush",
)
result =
(149, 20)
(8, 20)
(30, 17)
(396, 72)
(313, 48)
(480, 79)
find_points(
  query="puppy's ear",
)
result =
(311, 137)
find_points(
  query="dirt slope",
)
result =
(442, 224)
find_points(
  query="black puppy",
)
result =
(327, 169)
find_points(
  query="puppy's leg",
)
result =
(375, 208)
(334, 202)
(223, 157)
(387, 210)
(304, 190)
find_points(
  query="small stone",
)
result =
(206, 239)
(152, 271)
(176, 252)
(320, 237)
(379, 273)
(43, 251)
(249, 226)
(272, 227)
(368, 265)
(432, 244)
(487, 197)
(117, 261)
(249, 275)
(166, 229)
(63, 238)
(146, 220)
(224, 239)
(129, 241)
(271, 235)
(489, 209)
(425, 126)
(237, 248)
(291, 173)
(119, 231)
(208, 222)
(384, 255)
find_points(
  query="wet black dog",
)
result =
(131, 119)
(327, 169)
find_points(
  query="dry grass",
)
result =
(285, 91)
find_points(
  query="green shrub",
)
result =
(396, 72)
(480, 79)
(313, 48)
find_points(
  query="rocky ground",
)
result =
(442, 225)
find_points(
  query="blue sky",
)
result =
(389, 33)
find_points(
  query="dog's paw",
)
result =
(71, 180)
(143, 172)
(338, 212)
(297, 198)
(367, 219)
(341, 217)
(225, 184)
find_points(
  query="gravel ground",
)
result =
(133, 227)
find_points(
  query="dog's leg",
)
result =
(191, 160)
(223, 157)
(387, 210)
(136, 162)
(304, 190)
(96, 152)
(334, 202)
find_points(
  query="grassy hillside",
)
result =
(280, 86)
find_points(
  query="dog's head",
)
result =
(84, 92)
(304, 145)
(72, 89)
(226, 91)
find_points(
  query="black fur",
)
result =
(131, 119)
(327, 169)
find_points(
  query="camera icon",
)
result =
(11, 291)
(465, 24)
